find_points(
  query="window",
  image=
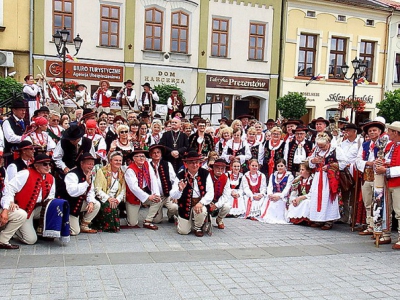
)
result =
(307, 52)
(63, 16)
(341, 18)
(337, 57)
(397, 70)
(109, 20)
(370, 22)
(179, 32)
(153, 29)
(367, 53)
(310, 13)
(219, 43)
(257, 41)
(398, 30)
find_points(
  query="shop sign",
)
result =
(337, 97)
(239, 83)
(75, 70)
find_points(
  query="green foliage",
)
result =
(164, 92)
(292, 106)
(389, 107)
(9, 88)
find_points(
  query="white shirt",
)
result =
(9, 134)
(58, 154)
(133, 184)
(16, 184)
(75, 189)
(12, 169)
(172, 176)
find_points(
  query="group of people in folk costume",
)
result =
(95, 172)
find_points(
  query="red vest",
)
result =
(59, 93)
(105, 101)
(394, 162)
(26, 198)
(219, 185)
(140, 174)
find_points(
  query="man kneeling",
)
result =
(80, 195)
(24, 197)
(194, 190)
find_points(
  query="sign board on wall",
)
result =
(239, 83)
(169, 76)
(75, 70)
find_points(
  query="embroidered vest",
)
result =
(17, 129)
(105, 101)
(219, 185)
(185, 201)
(292, 150)
(77, 202)
(163, 173)
(278, 187)
(26, 198)
(254, 188)
(141, 174)
(71, 156)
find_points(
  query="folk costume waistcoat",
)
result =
(255, 189)
(185, 201)
(150, 99)
(105, 101)
(368, 174)
(26, 198)
(17, 129)
(142, 174)
(71, 155)
(219, 185)
(20, 164)
(163, 173)
(76, 203)
(203, 148)
(59, 92)
(292, 167)
(278, 187)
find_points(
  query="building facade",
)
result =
(323, 35)
(14, 38)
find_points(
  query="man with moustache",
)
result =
(220, 206)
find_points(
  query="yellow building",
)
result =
(14, 38)
(323, 35)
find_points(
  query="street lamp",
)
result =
(60, 39)
(359, 70)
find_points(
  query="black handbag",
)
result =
(346, 180)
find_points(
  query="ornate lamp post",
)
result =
(359, 70)
(60, 40)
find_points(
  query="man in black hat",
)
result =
(297, 150)
(351, 144)
(26, 153)
(245, 121)
(194, 190)
(290, 126)
(220, 206)
(13, 128)
(366, 157)
(42, 112)
(149, 97)
(24, 197)
(141, 187)
(127, 98)
(165, 177)
(69, 149)
(80, 194)
(176, 143)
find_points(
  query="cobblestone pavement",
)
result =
(247, 260)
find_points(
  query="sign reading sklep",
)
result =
(337, 97)
(85, 71)
(240, 83)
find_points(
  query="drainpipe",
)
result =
(387, 42)
(31, 37)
